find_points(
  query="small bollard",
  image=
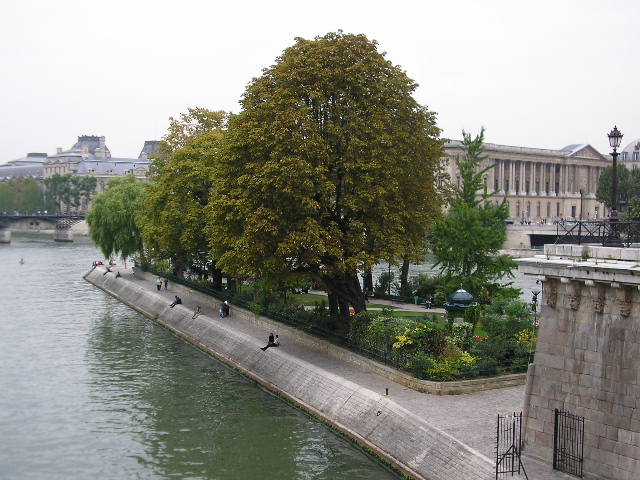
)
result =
(386, 392)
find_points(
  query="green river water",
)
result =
(91, 389)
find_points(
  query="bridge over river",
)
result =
(37, 222)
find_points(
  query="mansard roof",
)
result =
(92, 142)
(632, 147)
(148, 148)
(13, 171)
(112, 166)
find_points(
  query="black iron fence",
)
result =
(604, 232)
(509, 445)
(568, 443)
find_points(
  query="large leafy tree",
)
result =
(24, 194)
(465, 242)
(112, 216)
(628, 185)
(68, 190)
(172, 219)
(603, 192)
(328, 169)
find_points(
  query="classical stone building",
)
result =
(540, 184)
(88, 156)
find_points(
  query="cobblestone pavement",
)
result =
(470, 418)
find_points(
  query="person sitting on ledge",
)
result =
(197, 312)
(272, 342)
(224, 309)
(177, 301)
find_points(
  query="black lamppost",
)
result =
(534, 325)
(534, 301)
(615, 137)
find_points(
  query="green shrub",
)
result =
(462, 335)
(424, 286)
(420, 363)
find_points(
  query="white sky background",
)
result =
(537, 74)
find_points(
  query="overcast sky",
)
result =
(537, 74)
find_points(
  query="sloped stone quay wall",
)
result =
(403, 439)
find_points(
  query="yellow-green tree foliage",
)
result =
(327, 170)
(172, 220)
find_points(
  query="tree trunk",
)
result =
(347, 292)
(404, 278)
(216, 278)
(231, 285)
(367, 282)
(334, 311)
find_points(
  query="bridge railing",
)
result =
(603, 232)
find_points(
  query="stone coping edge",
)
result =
(405, 379)
(402, 440)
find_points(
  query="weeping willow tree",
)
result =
(112, 218)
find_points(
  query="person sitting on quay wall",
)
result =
(177, 301)
(272, 342)
(225, 308)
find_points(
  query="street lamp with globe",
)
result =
(615, 137)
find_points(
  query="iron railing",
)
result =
(604, 232)
(568, 443)
(509, 445)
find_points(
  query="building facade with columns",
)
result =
(540, 185)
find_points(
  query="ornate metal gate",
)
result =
(568, 443)
(509, 445)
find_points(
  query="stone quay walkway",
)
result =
(470, 418)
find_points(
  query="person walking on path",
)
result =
(166, 282)
(158, 283)
(272, 342)
(177, 301)
(225, 308)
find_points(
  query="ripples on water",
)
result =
(91, 389)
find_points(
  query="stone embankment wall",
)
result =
(339, 353)
(400, 437)
(587, 359)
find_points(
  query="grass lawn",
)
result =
(307, 299)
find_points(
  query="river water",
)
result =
(91, 389)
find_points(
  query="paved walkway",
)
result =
(470, 418)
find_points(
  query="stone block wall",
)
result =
(587, 362)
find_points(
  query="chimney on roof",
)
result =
(101, 151)
(59, 150)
